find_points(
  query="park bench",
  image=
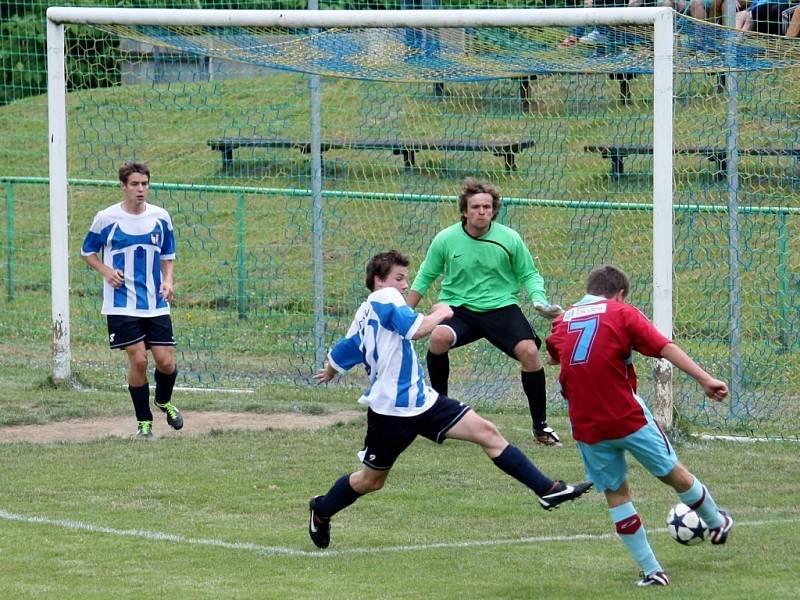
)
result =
(617, 154)
(407, 148)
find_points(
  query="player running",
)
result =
(401, 406)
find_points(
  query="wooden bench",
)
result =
(617, 154)
(406, 148)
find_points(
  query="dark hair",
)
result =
(380, 265)
(133, 166)
(471, 187)
(606, 281)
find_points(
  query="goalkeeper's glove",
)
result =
(548, 311)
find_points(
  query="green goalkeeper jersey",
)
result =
(482, 273)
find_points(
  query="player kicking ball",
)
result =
(593, 341)
(402, 406)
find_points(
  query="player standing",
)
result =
(401, 406)
(137, 243)
(593, 341)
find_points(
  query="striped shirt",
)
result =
(134, 245)
(380, 339)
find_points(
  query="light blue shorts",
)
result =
(605, 463)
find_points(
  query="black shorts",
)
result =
(503, 327)
(124, 330)
(387, 436)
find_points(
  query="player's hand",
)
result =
(443, 309)
(325, 374)
(166, 291)
(715, 389)
(548, 311)
(115, 278)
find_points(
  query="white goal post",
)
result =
(660, 18)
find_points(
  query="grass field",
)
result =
(224, 515)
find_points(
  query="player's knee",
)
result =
(166, 365)
(138, 363)
(528, 355)
(441, 339)
(371, 484)
(488, 434)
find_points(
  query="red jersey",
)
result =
(594, 341)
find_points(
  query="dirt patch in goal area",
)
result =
(195, 423)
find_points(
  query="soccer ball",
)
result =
(685, 526)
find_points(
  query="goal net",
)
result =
(288, 152)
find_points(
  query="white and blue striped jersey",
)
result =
(135, 245)
(380, 339)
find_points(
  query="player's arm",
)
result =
(413, 298)
(533, 282)
(114, 277)
(713, 388)
(439, 313)
(167, 288)
(343, 356)
(429, 271)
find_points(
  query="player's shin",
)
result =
(699, 500)
(632, 533)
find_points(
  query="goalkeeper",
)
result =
(484, 265)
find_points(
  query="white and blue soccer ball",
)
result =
(685, 526)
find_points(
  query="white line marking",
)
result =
(742, 438)
(278, 551)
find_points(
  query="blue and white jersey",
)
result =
(135, 245)
(380, 339)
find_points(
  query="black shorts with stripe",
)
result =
(502, 327)
(388, 436)
(126, 330)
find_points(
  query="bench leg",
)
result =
(722, 166)
(617, 164)
(227, 159)
(510, 161)
(525, 93)
(409, 159)
(625, 91)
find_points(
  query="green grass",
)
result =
(224, 515)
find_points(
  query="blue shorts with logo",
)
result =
(605, 462)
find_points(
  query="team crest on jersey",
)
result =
(155, 238)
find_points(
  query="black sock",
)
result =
(164, 385)
(438, 371)
(535, 388)
(513, 462)
(339, 497)
(141, 402)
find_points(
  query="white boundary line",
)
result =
(741, 438)
(279, 551)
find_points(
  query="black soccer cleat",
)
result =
(319, 527)
(720, 534)
(656, 578)
(561, 492)
(546, 436)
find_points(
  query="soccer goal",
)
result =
(291, 146)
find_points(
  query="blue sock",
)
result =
(699, 500)
(339, 497)
(513, 462)
(631, 532)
